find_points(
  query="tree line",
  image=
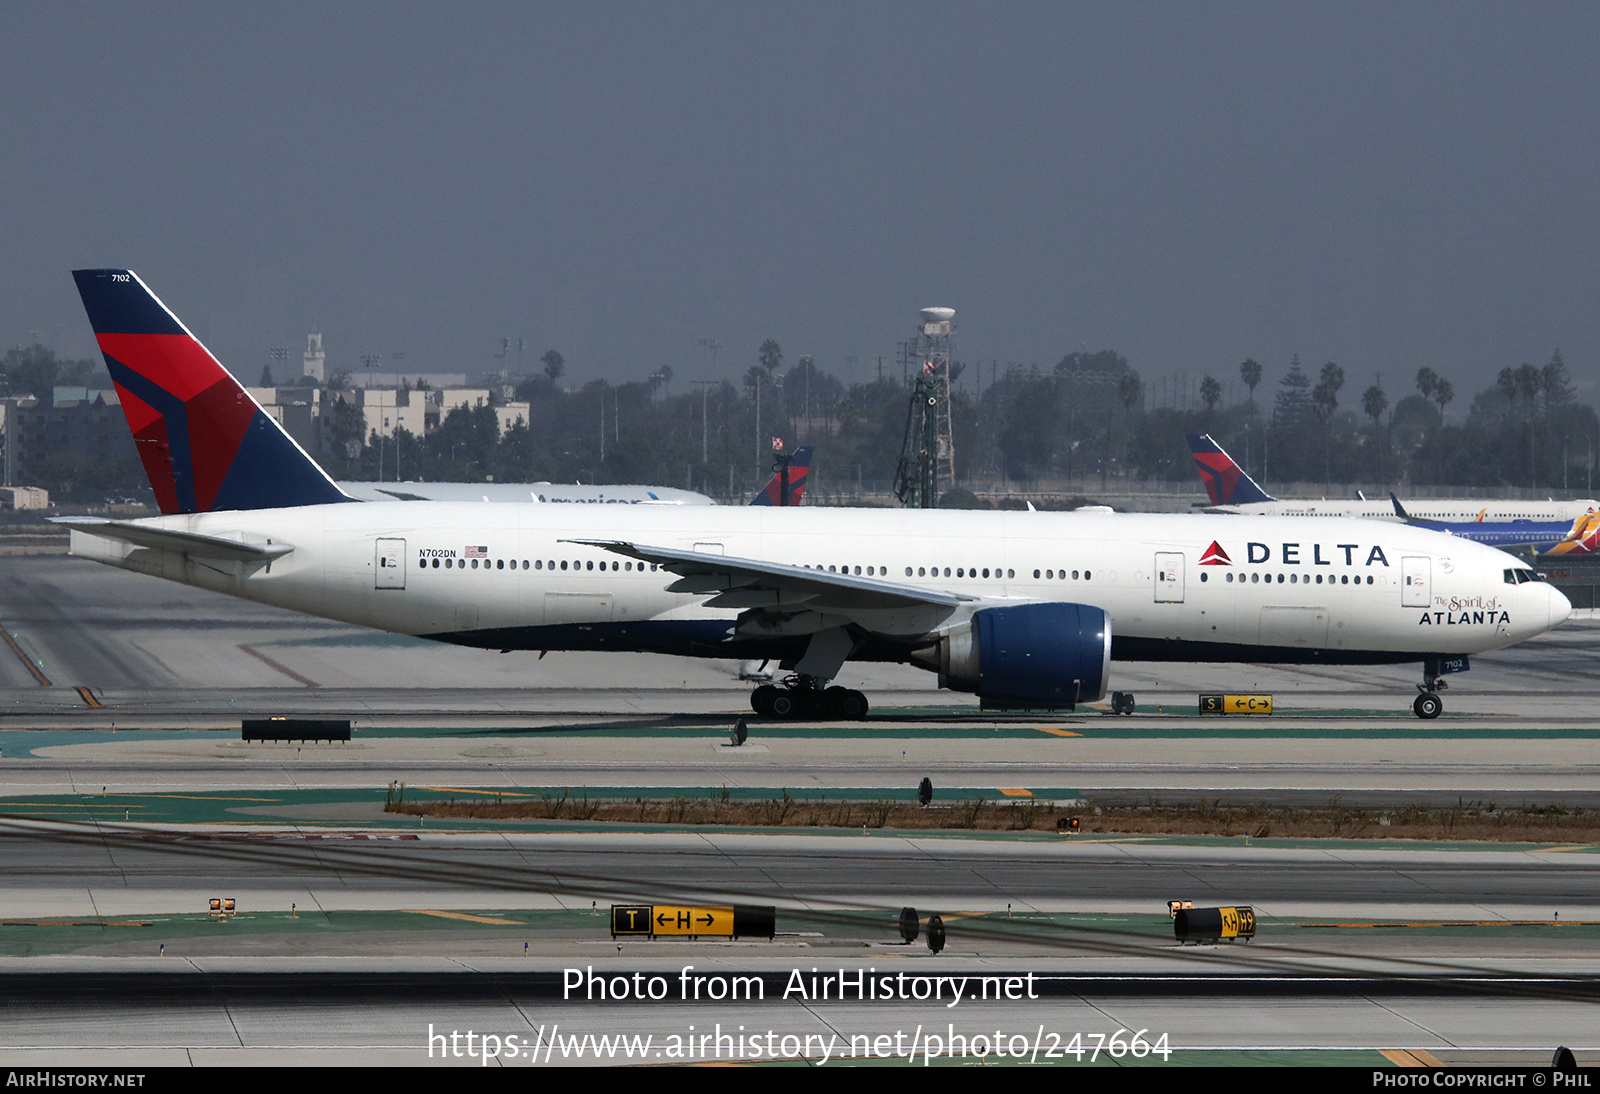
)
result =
(1090, 421)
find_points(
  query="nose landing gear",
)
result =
(808, 697)
(1428, 705)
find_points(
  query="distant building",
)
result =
(294, 408)
(92, 430)
(509, 414)
(23, 497)
(433, 380)
(313, 358)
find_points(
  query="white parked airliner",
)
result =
(1027, 610)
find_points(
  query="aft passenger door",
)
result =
(389, 564)
(1416, 581)
(1169, 577)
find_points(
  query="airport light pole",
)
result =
(705, 395)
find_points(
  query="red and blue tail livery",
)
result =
(1225, 480)
(205, 443)
(799, 467)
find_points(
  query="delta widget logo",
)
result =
(1215, 556)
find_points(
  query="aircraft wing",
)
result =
(187, 543)
(750, 583)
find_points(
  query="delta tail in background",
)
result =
(1233, 491)
(1026, 610)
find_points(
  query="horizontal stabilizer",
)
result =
(186, 543)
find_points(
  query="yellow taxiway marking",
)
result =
(87, 696)
(41, 678)
(463, 790)
(1570, 847)
(1015, 792)
(1057, 732)
(1411, 1057)
(468, 918)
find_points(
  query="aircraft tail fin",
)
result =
(799, 467)
(1225, 480)
(205, 443)
(1583, 539)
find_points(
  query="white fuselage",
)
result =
(1439, 509)
(1354, 589)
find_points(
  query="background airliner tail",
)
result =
(1225, 480)
(205, 443)
(799, 467)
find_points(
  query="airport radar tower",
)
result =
(928, 454)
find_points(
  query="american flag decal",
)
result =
(476, 552)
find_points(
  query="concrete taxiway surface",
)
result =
(423, 925)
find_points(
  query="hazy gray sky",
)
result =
(1385, 185)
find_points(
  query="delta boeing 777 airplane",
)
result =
(1027, 610)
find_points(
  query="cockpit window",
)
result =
(1520, 575)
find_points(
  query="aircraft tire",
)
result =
(783, 704)
(845, 704)
(761, 700)
(856, 709)
(1428, 705)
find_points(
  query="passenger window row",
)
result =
(537, 564)
(1293, 579)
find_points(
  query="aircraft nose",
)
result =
(1560, 606)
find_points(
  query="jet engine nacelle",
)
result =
(1028, 657)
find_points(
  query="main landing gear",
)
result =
(808, 697)
(1428, 705)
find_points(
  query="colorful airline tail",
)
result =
(772, 493)
(1584, 539)
(205, 443)
(1225, 480)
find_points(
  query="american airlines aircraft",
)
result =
(560, 493)
(556, 493)
(1027, 610)
(1233, 491)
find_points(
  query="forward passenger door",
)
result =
(1169, 577)
(1416, 581)
(389, 564)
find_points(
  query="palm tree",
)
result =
(771, 356)
(1325, 401)
(1374, 402)
(554, 365)
(1210, 394)
(1250, 373)
(1130, 389)
(1442, 394)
